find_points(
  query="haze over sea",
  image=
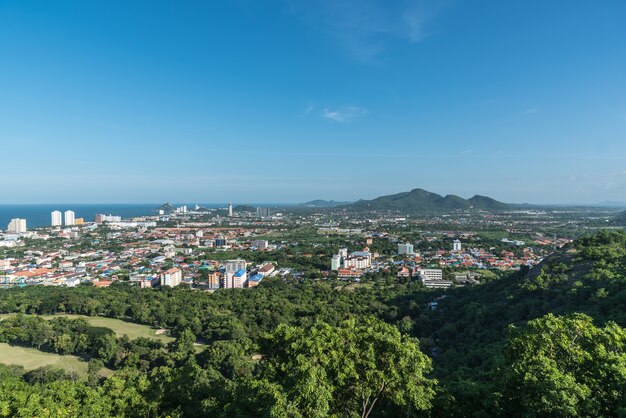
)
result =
(38, 215)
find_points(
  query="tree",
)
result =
(184, 346)
(565, 366)
(349, 369)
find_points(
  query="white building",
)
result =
(107, 218)
(70, 217)
(335, 262)
(230, 210)
(57, 218)
(433, 278)
(233, 266)
(16, 226)
(357, 260)
(171, 277)
(405, 249)
(239, 278)
(456, 245)
(431, 274)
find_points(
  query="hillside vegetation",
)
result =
(549, 342)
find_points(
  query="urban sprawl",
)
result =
(209, 249)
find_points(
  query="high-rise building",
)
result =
(405, 248)
(233, 266)
(70, 217)
(171, 277)
(16, 226)
(230, 210)
(57, 218)
(263, 212)
(335, 262)
(357, 260)
(214, 279)
(456, 245)
(239, 278)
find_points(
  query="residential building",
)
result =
(456, 245)
(255, 280)
(263, 212)
(433, 278)
(335, 262)
(171, 277)
(57, 218)
(266, 269)
(16, 226)
(230, 210)
(70, 217)
(214, 279)
(356, 260)
(405, 249)
(232, 266)
(239, 278)
(431, 274)
(100, 218)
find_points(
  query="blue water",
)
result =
(39, 215)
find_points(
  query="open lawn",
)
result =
(31, 358)
(118, 326)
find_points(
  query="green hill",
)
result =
(420, 200)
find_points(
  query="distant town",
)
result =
(237, 247)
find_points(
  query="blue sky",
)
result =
(292, 100)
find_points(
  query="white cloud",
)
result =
(309, 109)
(364, 28)
(344, 114)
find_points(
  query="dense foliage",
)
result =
(548, 342)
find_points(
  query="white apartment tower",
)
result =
(17, 226)
(405, 249)
(233, 266)
(335, 262)
(456, 245)
(57, 218)
(230, 210)
(172, 277)
(70, 217)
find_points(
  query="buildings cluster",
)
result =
(100, 218)
(69, 218)
(351, 265)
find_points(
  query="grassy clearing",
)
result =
(31, 358)
(118, 326)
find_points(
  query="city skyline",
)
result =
(290, 101)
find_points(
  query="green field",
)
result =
(118, 326)
(31, 358)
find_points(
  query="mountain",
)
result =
(487, 203)
(244, 208)
(166, 208)
(319, 203)
(420, 200)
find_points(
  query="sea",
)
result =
(38, 215)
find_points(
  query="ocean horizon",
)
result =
(39, 214)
